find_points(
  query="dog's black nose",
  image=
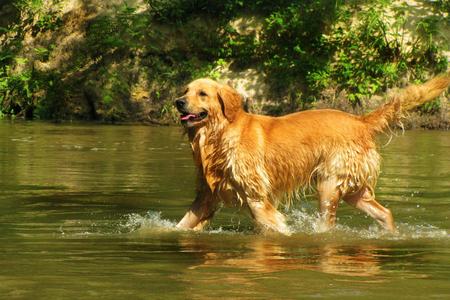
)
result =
(180, 103)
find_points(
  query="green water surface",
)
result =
(88, 212)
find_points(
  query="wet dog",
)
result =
(259, 161)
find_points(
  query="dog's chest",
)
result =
(216, 156)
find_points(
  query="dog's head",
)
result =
(205, 101)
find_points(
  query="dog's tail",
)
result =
(404, 100)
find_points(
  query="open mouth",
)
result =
(190, 117)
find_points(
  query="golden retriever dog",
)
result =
(258, 161)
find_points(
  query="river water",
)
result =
(88, 212)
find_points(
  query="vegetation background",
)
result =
(116, 61)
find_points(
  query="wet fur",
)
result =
(256, 161)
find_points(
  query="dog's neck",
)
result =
(201, 137)
(208, 133)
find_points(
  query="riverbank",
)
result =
(125, 61)
(414, 121)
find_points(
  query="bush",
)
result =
(375, 54)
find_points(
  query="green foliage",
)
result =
(47, 22)
(17, 93)
(21, 86)
(376, 54)
(290, 44)
(123, 30)
(303, 48)
(442, 5)
(181, 11)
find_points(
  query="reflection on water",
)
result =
(265, 256)
(89, 211)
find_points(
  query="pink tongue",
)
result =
(187, 117)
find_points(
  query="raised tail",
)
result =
(404, 100)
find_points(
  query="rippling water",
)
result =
(89, 212)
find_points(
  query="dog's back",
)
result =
(303, 148)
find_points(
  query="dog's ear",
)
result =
(230, 100)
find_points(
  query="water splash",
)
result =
(151, 220)
(304, 222)
(301, 221)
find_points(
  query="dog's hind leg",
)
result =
(365, 201)
(329, 195)
(268, 217)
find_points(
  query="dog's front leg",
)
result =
(268, 217)
(200, 212)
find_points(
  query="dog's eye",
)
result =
(203, 94)
(185, 91)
